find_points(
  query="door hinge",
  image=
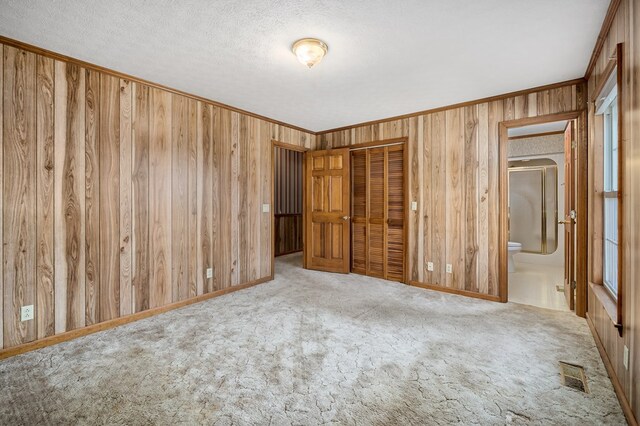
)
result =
(573, 285)
(573, 144)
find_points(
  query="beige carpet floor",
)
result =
(313, 348)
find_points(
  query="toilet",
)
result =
(514, 248)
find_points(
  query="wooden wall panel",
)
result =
(125, 210)
(192, 194)
(45, 320)
(179, 198)
(453, 172)
(140, 197)
(116, 196)
(234, 200)
(109, 172)
(19, 204)
(92, 197)
(254, 207)
(1, 195)
(159, 198)
(69, 196)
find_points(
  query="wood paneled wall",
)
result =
(118, 195)
(453, 172)
(624, 29)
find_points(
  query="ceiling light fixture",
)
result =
(309, 51)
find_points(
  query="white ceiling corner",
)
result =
(385, 58)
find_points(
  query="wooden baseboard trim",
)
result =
(466, 293)
(624, 403)
(73, 334)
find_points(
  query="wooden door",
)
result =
(377, 229)
(569, 219)
(327, 210)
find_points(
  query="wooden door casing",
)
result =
(327, 210)
(569, 223)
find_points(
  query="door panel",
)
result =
(327, 215)
(395, 214)
(569, 222)
(378, 205)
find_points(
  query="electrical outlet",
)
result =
(209, 272)
(625, 359)
(429, 266)
(26, 313)
(414, 205)
(449, 268)
(265, 208)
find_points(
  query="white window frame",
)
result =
(607, 106)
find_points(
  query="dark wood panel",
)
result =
(109, 172)
(180, 198)
(288, 181)
(44, 314)
(19, 192)
(288, 234)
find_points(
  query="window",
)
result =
(609, 109)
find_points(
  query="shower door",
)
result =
(533, 206)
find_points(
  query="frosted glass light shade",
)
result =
(309, 51)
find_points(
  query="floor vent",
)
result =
(574, 376)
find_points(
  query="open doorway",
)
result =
(288, 202)
(540, 212)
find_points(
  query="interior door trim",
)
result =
(275, 143)
(581, 201)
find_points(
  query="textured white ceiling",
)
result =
(385, 57)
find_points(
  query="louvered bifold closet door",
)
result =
(359, 212)
(376, 222)
(377, 226)
(395, 213)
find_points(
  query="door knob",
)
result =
(345, 217)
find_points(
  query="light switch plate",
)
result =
(449, 268)
(26, 313)
(209, 272)
(414, 205)
(429, 266)
(265, 208)
(625, 359)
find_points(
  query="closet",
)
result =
(378, 211)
